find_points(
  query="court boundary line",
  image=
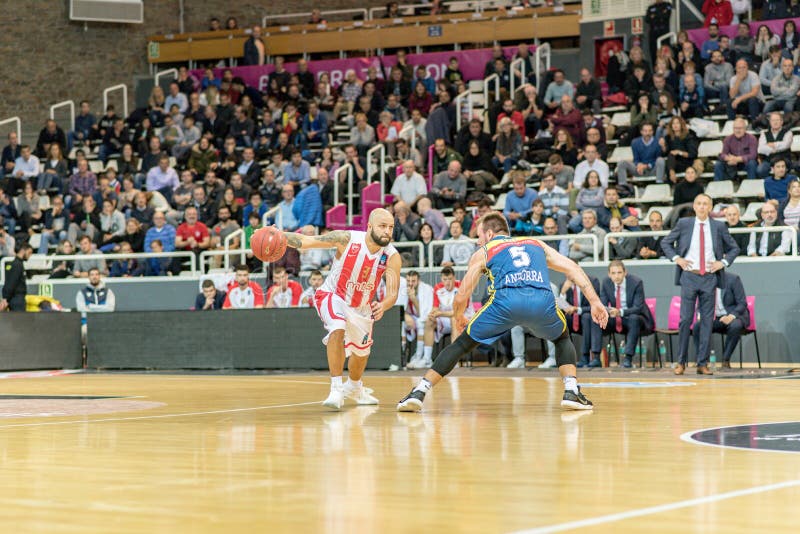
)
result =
(630, 514)
(160, 416)
(687, 437)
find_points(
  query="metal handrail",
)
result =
(413, 140)
(466, 95)
(41, 258)
(672, 36)
(68, 103)
(124, 89)
(486, 81)
(160, 74)
(349, 170)
(411, 245)
(362, 11)
(379, 147)
(575, 237)
(635, 235)
(19, 126)
(541, 50)
(277, 213)
(519, 61)
(230, 237)
(443, 242)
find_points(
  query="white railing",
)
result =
(465, 96)
(124, 89)
(381, 149)
(227, 246)
(306, 14)
(632, 235)
(349, 170)
(413, 140)
(420, 248)
(66, 103)
(672, 36)
(575, 237)
(443, 243)
(496, 79)
(161, 74)
(18, 122)
(42, 262)
(543, 50)
(276, 213)
(523, 75)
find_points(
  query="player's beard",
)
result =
(380, 240)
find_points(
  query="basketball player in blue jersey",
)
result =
(519, 289)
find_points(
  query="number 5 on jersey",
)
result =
(520, 257)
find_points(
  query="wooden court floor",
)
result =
(198, 453)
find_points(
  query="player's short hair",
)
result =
(208, 283)
(243, 267)
(412, 273)
(94, 269)
(616, 263)
(448, 271)
(278, 269)
(495, 222)
(315, 272)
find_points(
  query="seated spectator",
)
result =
(86, 221)
(28, 208)
(739, 152)
(398, 85)
(582, 249)
(307, 208)
(712, 43)
(732, 220)
(717, 77)
(209, 298)
(427, 80)
(449, 187)
(81, 267)
(95, 296)
(590, 196)
(298, 171)
(566, 116)
(192, 234)
(398, 111)
(519, 201)
(637, 83)
(531, 107)
(362, 135)
(357, 163)
(745, 92)
(559, 87)
(116, 137)
(225, 227)
(554, 199)
(26, 168)
(349, 92)
(315, 125)
(473, 131)
(646, 158)
(283, 293)
(508, 111)
(55, 225)
(8, 212)
(161, 266)
(388, 132)
(51, 133)
(410, 185)
(612, 207)
(453, 73)
(433, 218)
(249, 168)
(731, 315)
(112, 224)
(315, 258)
(623, 247)
(134, 236)
(325, 187)
(564, 146)
(587, 93)
(171, 133)
(774, 143)
(459, 248)
(579, 320)
(765, 39)
(11, 152)
(315, 281)
(254, 206)
(127, 267)
(508, 146)
(550, 228)
(679, 147)
(692, 100)
(162, 231)
(141, 210)
(650, 246)
(592, 162)
(7, 241)
(784, 88)
(405, 152)
(85, 123)
(623, 295)
(443, 155)
(776, 186)
(420, 99)
(290, 222)
(478, 167)
(769, 243)
(564, 174)
(162, 178)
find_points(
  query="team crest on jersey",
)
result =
(383, 259)
(365, 272)
(354, 249)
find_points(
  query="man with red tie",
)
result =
(702, 248)
(623, 295)
(579, 321)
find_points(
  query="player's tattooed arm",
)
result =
(337, 239)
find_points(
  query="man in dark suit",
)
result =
(250, 169)
(623, 294)
(650, 246)
(579, 321)
(731, 315)
(701, 247)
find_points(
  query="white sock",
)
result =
(570, 383)
(427, 353)
(423, 386)
(420, 348)
(336, 382)
(356, 383)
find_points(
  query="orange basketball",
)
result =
(268, 244)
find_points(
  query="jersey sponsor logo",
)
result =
(524, 276)
(360, 286)
(779, 437)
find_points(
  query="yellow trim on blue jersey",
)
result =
(479, 312)
(562, 317)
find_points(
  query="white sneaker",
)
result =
(413, 362)
(516, 363)
(422, 363)
(360, 394)
(335, 399)
(549, 363)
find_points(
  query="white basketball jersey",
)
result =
(442, 298)
(355, 276)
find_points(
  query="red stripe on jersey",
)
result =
(364, 275)
(350, 258)
(496, 249)
(378, 275)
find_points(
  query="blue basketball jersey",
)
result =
(516, 262)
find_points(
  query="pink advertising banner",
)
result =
(471, 63)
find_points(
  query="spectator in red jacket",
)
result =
(717, 11)
(284, 293)
(568, 117)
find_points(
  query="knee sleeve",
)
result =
(449, 357)
(565, 350)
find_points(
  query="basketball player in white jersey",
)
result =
(437, 323)
(346, 301)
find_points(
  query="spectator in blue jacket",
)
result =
(209, 298)
(160, 231)
(85, 127)
(613, 208)
(315, 125)
(307, 207)
(692, 98)
(646, 157)
(519, 201)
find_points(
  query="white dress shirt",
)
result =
(719, 307)
(623, 302)
(760, 241)
(693, 256)
(583, 168)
